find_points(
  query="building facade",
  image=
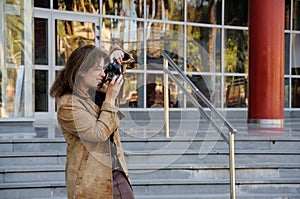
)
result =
(208, 39)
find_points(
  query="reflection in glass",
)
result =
(161, 37)
(296, 92)
(12, 104)
(41, 90)
(287, 14)
(155, 92)
(204, 11)
(127, 34)
(42, 3)
(90, 6)
(14, 39)
(235, 92)
(286, 54)
(165, 10)
(126, 8)
(295, 54)
(41, 41)
(296, 15)
(203, 49)
(209, 86)
(286, 93)
(132, 92)
(70, 35)
(236, 51)
(236, 12)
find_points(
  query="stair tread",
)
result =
(164, 182)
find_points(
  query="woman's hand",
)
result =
(117, 55)
(113, 89)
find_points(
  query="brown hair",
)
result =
(81, 60)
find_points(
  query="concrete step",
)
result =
(166, 189)
(146, 144)
(173, 172)
(163, 157)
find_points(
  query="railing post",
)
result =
(166, 100)
(232, 165)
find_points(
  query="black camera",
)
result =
(111, 70)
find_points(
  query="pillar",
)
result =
(266, 62)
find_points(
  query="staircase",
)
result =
(188, 165)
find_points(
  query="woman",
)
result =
(95, 163)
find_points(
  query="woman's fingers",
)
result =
(117, 55)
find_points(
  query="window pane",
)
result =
(41, 41)
(70, 35)
(165, 10)
(296, 15)
(209, 86)
(296, 91)
(203, 49)
(132, 92)
(287, 13)
(286, 93)
(236, 12)
(236, 51)
(12, 97)
(42, 3)
(155, 91)
(204, 11)
(41, 90)
(90, 6)
(127, 34)
(14, 39)
(296, 52)
(127, 8)
(286, 54)
(235, 92)
(161, 37)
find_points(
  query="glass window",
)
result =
(165, 10)
(70, 35)
(42, 3)
(14, 39)
(128, 34)
(41, 41)
(236, 51)
(235, 92)
(204, 11)
(127, 8)
(296, 51)
(236, 12)
(89, 6)
(287, 14)
(286, 54)
(296, 91)
(132, 92)
(209, 86)
(162, 37)
(155, 92)
(41, 90)
(296, 15)
(203, 49)
(286, 92)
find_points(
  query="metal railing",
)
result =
(229, 140)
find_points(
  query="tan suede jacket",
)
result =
(86, 129)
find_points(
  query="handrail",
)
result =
(232, 130)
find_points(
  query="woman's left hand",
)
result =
(117, 55)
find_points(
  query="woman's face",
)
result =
(94, 76)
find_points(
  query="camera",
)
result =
(113, 69)
(116, 69)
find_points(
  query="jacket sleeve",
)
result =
(76, 119)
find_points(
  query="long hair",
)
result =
(80, 60)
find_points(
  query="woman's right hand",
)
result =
(113, 89)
